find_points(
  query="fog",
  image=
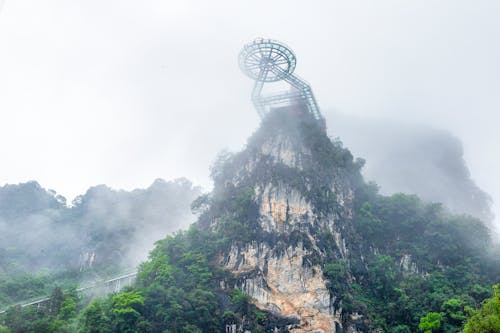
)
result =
(124, 92)
(416, 159)
(104, 228)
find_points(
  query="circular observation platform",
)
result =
(267, 60)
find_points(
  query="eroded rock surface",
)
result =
(285, 284)
(281, 271)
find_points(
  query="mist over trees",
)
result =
(134, 220)
(103, 231)
(413, 266)
(408, 266)
(414, 159)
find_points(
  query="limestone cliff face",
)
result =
(303, 195)
(282, 284)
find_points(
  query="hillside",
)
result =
(414, 159)
(292, 239)
(43, 241)
(323, 247)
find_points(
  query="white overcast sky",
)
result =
(122, 92)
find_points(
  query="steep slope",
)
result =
(302, 189)
(292, 240)
(309, 240)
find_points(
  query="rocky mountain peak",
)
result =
(286, 196)
(312, 244)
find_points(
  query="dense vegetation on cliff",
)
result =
(451, 270)
(407, 265)
(487, 318)
(415, 159)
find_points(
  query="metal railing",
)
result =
(116, 283)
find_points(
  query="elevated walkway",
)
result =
(103, 287)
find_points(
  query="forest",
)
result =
(415, 267)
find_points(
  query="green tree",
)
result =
(454, 312)
(382, 276)
(487, 318)
(125, 311)
(56, 301)
(191, 329)
(431, 322)
(94, 320)
(68, 308)
(240, 300)
(42, 325)
(4, 329)
(337, 276)
(401, 329)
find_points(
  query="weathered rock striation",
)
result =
(301, 186)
